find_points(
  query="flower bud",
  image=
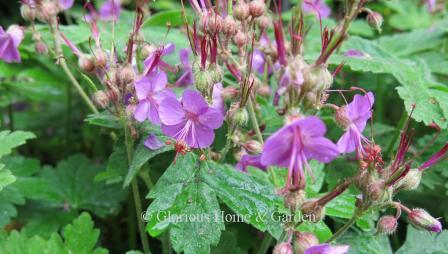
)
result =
(304, 241)
(240, 39)
(125, 75)
(410, 181)
(310, 100)
(294, 199)
(204, 81)
(41, 48)
(214, 23)
(263, 22)
(101, 99)
(48, 10)
(424, 221)
(27, 12)
(113, 94)
(257, 8)
(375, 191)
(241, 11)
(313, 211)
(100, 59)
(85, 63)
(375, 20)
(317, 78)
(264, 91)
(229, 26)
(216, 73)
(238, 116)
(229, 93)
(283, 248)
(253, 147)
(387, 225)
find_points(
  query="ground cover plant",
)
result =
(223, 126)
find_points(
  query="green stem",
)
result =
(229, 7)
(166, 243)
(346, 226)
(253, 119)
(61, 60)
(134, 186)
(267, 241)
(132, 227)
(226, 148)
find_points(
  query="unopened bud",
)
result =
(229, 26)
(214, 23)
(263, 22)
(241, 11)
(101, 99)
(238, 116)
(264, 91)
(41, 48)
(424, 221)
(85, 63)
(253, 147)
(27, 12)
(204, 81)
(410, 181)
(387, 225)
(283, 248)
(125, 75)
(375, 191)
(310, 99)
(294, 199)
(100, 59)
(48, 10)
(113, 94)
(317, 78)
(229, 93)
(375, 20)
(216, 73)
(240, 39)
(304, 241)
(313, 211)
(257, 8)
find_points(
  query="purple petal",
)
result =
(143, 88)
(212, 118)
(193, 102)
(250, 160)
(66, 4)
(321, 149)
(348, 141)
(186, 78)
(9, 41)
(168, 49)
(159, 81)
(311, 126)
(171, 112)
(153, 113)
(316, 6)
(200, 136)
(217, 100)
(184, 57)
(258, 62)
(153, 142)
(360, 109)
(110, 10)
(277, 149)
(141, 111)
(327, 249)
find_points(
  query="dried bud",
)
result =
(27, 12)
(424, 221)
(313, 211)
(294, 199)
(410, 181)
(229, 26)
(100, 59)
(317, 78)
(41, 48)
(253, 147)
(375, 191)
(85, 63)
(101, 99)
(125, 75)
(257, 8)
(263, 22)
(241, 11)
(229, 93)
(341, 117)
(387, 225)
(375, 20)
(240, 39)
(283, 248)
(113, 94)
(304, 241)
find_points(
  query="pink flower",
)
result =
(317, 7)
(154, 61)
(250, 160)
(353, 117)
(151, 91)
(327, 249)
(293, 145)
(152, 142)
(110, 10)
(217, 100)
(66, 4)
(192, 120)
(187, 77)
(9, 43)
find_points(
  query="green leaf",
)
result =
(366, 244)
(79, 237)
(6, 177)
(424, 242)
(172, 17)
(104, 119)
(342, 206)
(187, 206)
(10, 140)
(71, 185)
(117, 166)
(320, 229)
(143, 154)
(228, 244)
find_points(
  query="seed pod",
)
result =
(204, 82)
(241, 11)
(229, 26)
(240, 39)
(264, 22)
(313, 211)
(283, 248)
(101, 99)
(424, 221)
(257, 8)
(85, 63)
(294, 199)
(375, 20)
(304, 241)
(100, 59)
(410, 181)
(387, 225)
(214, 23)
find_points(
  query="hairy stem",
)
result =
(267, 240)
(253, 119)
(61, 60)
(226, 148)
(346, 226)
